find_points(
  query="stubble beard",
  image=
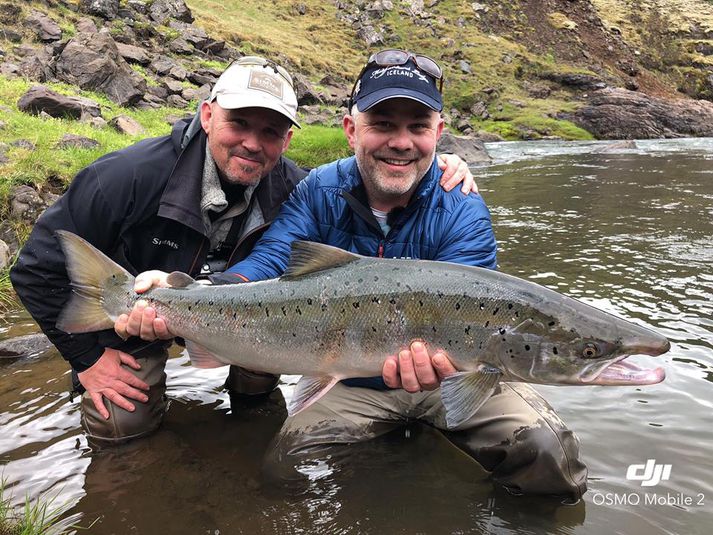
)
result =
(390, 185)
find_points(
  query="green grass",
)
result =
(38, 517)
(316, 145)
(35, 167)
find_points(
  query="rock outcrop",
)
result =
(621, 114)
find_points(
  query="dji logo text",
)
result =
(652, 475)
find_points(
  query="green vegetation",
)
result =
(315, 145)
(39, 517)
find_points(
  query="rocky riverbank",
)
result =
(514, 70)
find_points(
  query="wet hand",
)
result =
(455, 170)
(415, 370)
(108, 379)
(142, 321)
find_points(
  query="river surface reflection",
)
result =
(628, 231)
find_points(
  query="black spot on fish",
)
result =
(509, 306)
(170, 302)
(373, 329)
(267, 312)
(376, 278)
(450, 342)
(235, 315)
(482, 306)
(467, 330)
(284, 311)
(376, 300)
(323, 307)
(440, 295)
(527, 347)
(298, 310)
(389, 321)
(487, 323)
(420, 302)
(554, 349)
(502, 331)
(457, 306)
(517, 314)
(210, 303)
(355, 304)
(551, 324)
(344, 311)
(398, 284)
(392, 301)
(434, 329)
(220, 310)
(245, 325)
(360, 281)
(309, 300)
(496, 310)
(294, 335)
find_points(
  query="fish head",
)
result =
(578, 349)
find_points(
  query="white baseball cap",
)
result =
(255, 82)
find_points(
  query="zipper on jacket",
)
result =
(198, 255)
(380, 252)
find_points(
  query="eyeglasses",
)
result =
(264, 62)
(393, 57)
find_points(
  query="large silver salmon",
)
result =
(335, 315)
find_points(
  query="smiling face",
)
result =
(245, 143)
(394, 143)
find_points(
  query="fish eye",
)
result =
(590, 351)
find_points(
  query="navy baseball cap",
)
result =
(378, 84)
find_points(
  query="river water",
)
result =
(628, 230)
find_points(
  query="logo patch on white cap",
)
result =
(264, 81)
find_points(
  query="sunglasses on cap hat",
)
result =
(393, 57)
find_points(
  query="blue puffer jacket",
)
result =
(330, 206)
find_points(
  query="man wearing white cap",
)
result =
(195, 201)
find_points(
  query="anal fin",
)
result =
(308, 390)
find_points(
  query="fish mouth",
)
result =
(622, 372)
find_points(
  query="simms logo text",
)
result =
(650, 474)
(170, 243)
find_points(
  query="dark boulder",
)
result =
(92, 61)
(107, 9)
(470, 149)
(162, 10)
(42, 99)
(44, 27)
(74, 141)
(621, 114)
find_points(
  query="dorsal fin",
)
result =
(309, 257)
(178, 279)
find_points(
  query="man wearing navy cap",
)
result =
(385, 201)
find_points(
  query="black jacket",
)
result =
(141, 207)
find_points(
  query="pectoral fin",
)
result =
(309, 390)
(202, 357)
(464, 393)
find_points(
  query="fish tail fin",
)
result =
(90, 273)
